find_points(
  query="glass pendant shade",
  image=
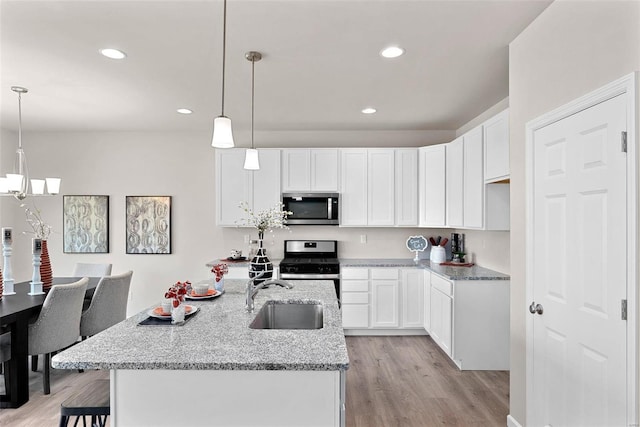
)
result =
(37, 186)
(222, 133)
(15, 182)
(53, 185)
(251, 160)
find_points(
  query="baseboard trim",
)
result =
(511, 422)
(384, 332)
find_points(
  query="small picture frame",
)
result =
(85, 224)
(148, 224)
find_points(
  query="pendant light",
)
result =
(251, 161)
(17, 183)
(222, 132)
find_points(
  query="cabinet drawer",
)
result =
(354, 273)
(355, 298)
(384, 273)
(441, 284)
(355, 286)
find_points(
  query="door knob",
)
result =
(535, 308)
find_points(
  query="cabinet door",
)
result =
(384, 304)
(441, 310)
(426, 316)
(473, 210)
(324, 170)
(266, 180)
(295, 170)
(496, 147)
(455, 183)
(233, 185)
(381, 187)
(353, 182)
(432, 186)
(407, 187)
(355, 316)
(412, 298)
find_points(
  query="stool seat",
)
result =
(92, 400)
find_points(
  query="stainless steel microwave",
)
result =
(312, 208)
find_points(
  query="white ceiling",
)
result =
(320, 63)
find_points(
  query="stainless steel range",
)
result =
(311, 260)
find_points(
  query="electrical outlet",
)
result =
(363, 238)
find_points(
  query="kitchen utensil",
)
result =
(444, 242)
(433, 241)
(438, 240)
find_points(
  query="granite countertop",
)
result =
(448, 272)
(219, 337)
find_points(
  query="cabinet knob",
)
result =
(535, 308)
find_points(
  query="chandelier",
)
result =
(17, 183)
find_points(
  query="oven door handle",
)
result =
(309, 276)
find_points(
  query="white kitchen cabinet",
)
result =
(426, 314)
(260, 189)
(384, 298)
(432, 186)
(455, 183)
(473, 178)
(312, 170)
(470, 321)
(406, 191)
(496, 148)
(354, 187)
(381, 187)
(354, 297)
(412, 290)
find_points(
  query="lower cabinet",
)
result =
(469, 320)
(378, 301)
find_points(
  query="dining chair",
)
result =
(108, 305)
(83, 269)
(58, 325)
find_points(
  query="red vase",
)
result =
(46, 275)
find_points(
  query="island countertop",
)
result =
(218, 337)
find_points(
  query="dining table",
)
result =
(15, 312)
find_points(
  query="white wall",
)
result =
(180, 165)
(571, 49)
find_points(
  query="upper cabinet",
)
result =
(367, 191)
(313, 169)
(496, 148)
(432, 186)
(406, 202)
(455, 183)
(473, 178)
(260, 189)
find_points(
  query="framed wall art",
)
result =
(85, 224)
(148, 224)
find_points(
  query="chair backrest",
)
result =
(83, 269)
(108, 305)
(58, 324)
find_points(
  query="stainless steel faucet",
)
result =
(253, 289)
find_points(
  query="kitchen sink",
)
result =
(289, 315)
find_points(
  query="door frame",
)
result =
(624, 86)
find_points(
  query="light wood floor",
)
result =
(392, 381)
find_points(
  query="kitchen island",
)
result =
(216, 371)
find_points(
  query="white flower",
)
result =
(266, 219)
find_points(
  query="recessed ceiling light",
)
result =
(184, 111)
(113, 53)
(391, 52)
(368, 110)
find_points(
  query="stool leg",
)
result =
(45, 373)
(34, 362)
(64, 421)
(6, 376)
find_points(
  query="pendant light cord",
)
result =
(253, 67)
(224, 49)
(19, 120)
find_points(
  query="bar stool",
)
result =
(92, 400)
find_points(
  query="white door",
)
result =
(381, 187)
(432, 186)
(578, 270)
